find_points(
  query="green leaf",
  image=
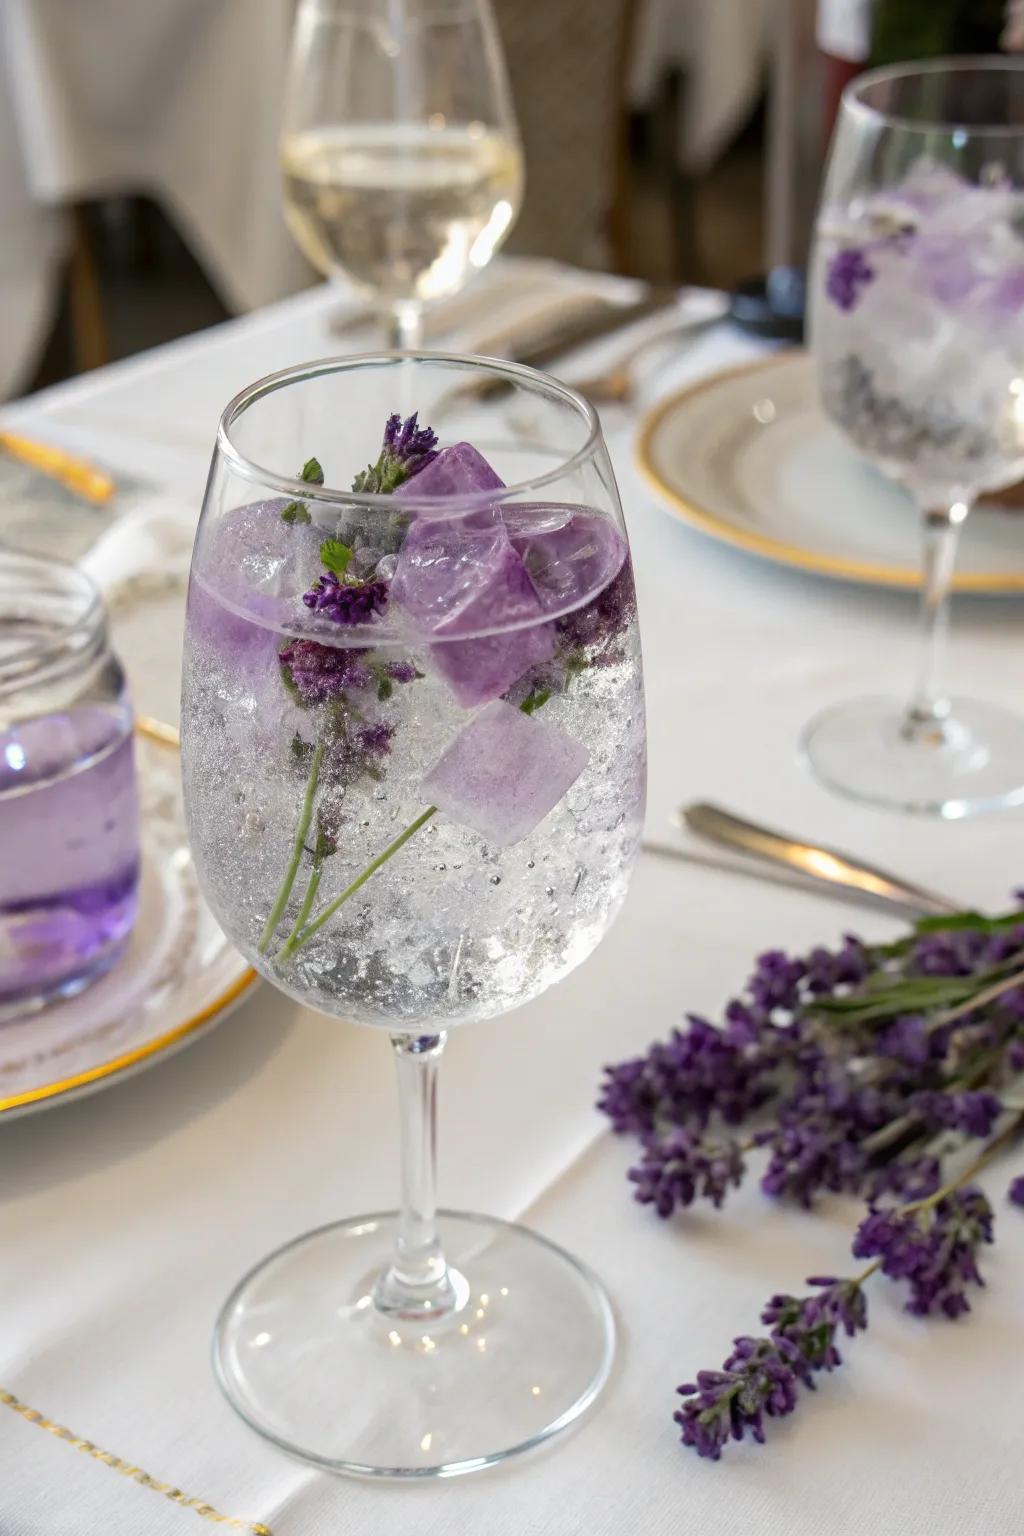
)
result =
(295, 512)
(292, 689)
(382, 478)
(368, 479)
(335, 555)
(535, 700)
(959, 921)
(385, 688)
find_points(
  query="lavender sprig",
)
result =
(407, 448)
(933, 1243)
(933, 1247)
(859, 1068)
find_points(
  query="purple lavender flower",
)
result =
(908, 1040)
(827, 970)
(934, 1249)
(401, 671)
(630, 1097)
(684, 1079)
(346, 602)
(675, 1170)
(1012, 1002)
(907, 1179)
(1015, 1055)
(407, 448)
(755, 1381)
(319, 673)
(950, 952)
(1016, 1190)
(809, 1155)
(971, 1111)
(375, 740)
(808, 1324)
(598, 624)
(776, 981)
(849, 272)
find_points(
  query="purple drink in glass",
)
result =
(69, 839)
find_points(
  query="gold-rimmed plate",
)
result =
(177, 977)
(748, 457)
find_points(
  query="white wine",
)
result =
(404, 211)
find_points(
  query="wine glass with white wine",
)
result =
(403, 170)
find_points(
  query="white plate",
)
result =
(178, 974)
(748, 457)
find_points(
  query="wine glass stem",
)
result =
(417, 1283)
(929, 706)
(405, 328)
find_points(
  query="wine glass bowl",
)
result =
(400, 154)
(917, 326)
(413, 757)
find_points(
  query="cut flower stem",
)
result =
(301, 831)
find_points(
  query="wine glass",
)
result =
(413, 756)
(400, 152)
(918, 330)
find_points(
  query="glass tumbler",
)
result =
(69, 821)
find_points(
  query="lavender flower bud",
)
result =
(933, 1249)
(848, 273)
(346, 602)
(675, 1171)
(756, 1380)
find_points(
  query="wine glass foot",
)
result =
(971, 761)
(309, 1362)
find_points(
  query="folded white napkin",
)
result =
(151, 545)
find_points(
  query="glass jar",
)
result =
(69, 819)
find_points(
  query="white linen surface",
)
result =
(125, 1218)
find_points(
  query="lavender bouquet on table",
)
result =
(887, 1070)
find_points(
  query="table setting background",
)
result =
(125, 1217)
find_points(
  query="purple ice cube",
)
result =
(503, 773)
(570, 554)
(457, 471)
(455, 579)
(250, 572)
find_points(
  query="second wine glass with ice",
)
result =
(402, 166)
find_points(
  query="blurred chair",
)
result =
(569, 62)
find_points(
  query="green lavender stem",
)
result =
(299, 935)
(305, 817)
(305, 909)
(296, 941)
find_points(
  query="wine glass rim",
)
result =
(980, 63)
(439, 506)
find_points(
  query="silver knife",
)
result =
(812, 862)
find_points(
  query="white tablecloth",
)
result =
(126, 1218)
(179, 99)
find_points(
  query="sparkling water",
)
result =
(918, 325)
(70, 850)
(493, 896)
